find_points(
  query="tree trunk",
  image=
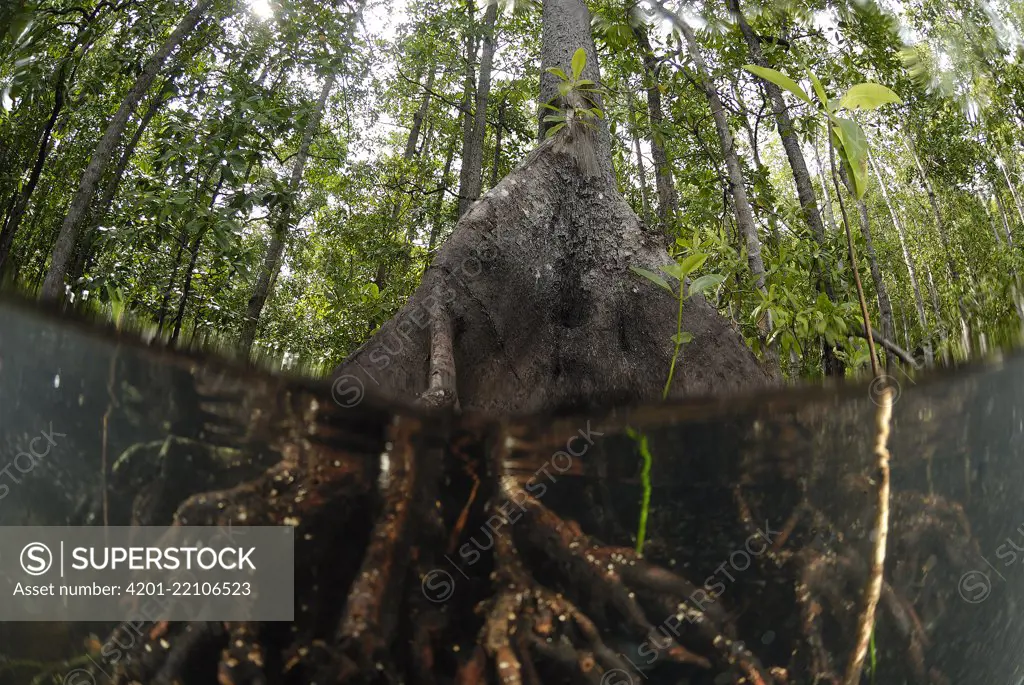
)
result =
(827, 204)
(940, 224)
(497, 142)
(469, 88)
(641, 172)
(801, 177)
(84, 249)
(922, 318)
(1002, 214)
(442, 187)
(471, 176)
(884, 305)
(1013, 193)
(272, 261)
(737, 188)
(53, 285)
(537, 277)
(668, 198)
(419, 117)
(10, 228)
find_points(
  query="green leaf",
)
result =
(554, 129)
(706, 282)
(854, 153)
(682, 338)
(819, 90)
(653, 278)
(692, 263)
(779, 79)
(579, 61)
(557, 72)
(868, 96)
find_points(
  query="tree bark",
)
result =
(737, 187)
(922, 318)
(565, 29)
(499, 126)
(884, 305)
(272, 261)
(940, 224)
(1013, 193)
(10, 228)
(442, 188)
(668, 198)
(1002, 214)
(471, 175)
(84, 249)
(53, 285)
(641, 171)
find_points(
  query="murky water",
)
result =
(766, 505)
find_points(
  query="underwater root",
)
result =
(544, 603)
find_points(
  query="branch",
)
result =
(903, 355)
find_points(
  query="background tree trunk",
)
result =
(668, 198)
(53, 285)
(922, 318)
(737, 187)
(801, 177)
(272, 262)
(471, 176)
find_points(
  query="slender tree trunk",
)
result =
(1013, 193)
(419, 117)
(801, 177)
(470, 177)
(922, 318)
(641, 171)
(193, 258)
(84, 250)
(272, 261)
(10, 228)
(442, 188)
(827, 204)
(166, 299)
(1002, 214)
(53, 285)
(668, 198)
(940, 224)
(937, 307)
(741, 205)
(469, 89)
(884, 305)
(497, 142)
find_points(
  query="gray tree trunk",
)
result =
(566, 28)
(827, 204)
(10, 227)
(737, 188)
(282, 223)
(801, 177)
(498, 128)
(53, 284)
(940, 224)
(471, 176)
(1013, 193)
(1002, 214)
(641, 171)
(922, 318)
(83, 251)
(668, 198)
